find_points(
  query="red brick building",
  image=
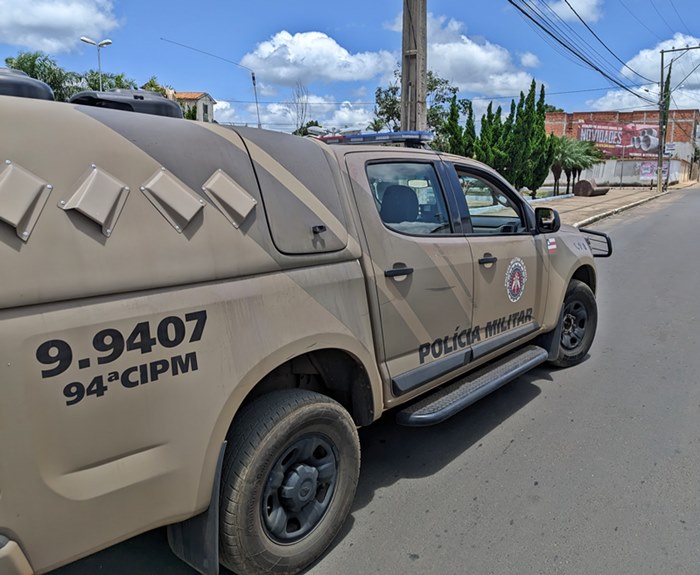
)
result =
(630, 142)
(682, 129)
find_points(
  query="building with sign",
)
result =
(630, 143)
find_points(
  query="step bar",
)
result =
(454, 397)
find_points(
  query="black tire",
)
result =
(579, 322)
(289, 479)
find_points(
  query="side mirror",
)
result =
(547, 220)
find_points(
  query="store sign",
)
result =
(621, 140)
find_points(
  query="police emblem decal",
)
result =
(516, 276)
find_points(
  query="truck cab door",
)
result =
(511, 263)
(418, 264)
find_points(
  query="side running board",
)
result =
(454, 397)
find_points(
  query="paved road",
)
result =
(594, 469)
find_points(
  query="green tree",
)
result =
(571, 156)
(484, 147)
(154, 86)
(551, 108)
(666, 101)
(376, 125)
(439, 94)
(518, 146)
(452, 132)
(542, 149)
(91, 81)
(503, 131)
(521, 144)
(388, 104)
(42, 67)
(64, 83)
(469, 129)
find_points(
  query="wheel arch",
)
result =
(348, 370)
(585, 274)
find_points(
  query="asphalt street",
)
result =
(592, 469)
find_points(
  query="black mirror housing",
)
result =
(547, 220)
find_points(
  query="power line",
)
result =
(252, 73)
(476, 98)
(575, 39)
(638, 20)
(686, 77)
(661, 16)
(679, 17)
(547, 25)
(603, 43)
(568, 40)
(553, 45)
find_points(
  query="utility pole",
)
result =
(414, 66)
(662, 136)
(664, 101)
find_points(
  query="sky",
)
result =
(339, 53)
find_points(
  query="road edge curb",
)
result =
(617, 210)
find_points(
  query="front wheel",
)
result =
(288, 483)
(579, 321)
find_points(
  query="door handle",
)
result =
(394, 272)
(488, 259)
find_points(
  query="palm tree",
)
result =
(376, 125)
(42, 67)
(572, 157)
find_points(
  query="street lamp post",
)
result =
(99, 45)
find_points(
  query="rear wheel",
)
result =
(289, 479)
(579, 322)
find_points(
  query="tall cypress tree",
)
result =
(520, 150)
(483, 147)
(454, 134)
(469, 130)
(503, 129)
(542, 148)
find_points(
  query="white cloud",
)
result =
(314, 56)
(54, 25)
(350, 116)
(442, 30)
(621, 100)
(396, 25)
(682, 98)
(647, 63)
(281, 115)
(685, 78)
(529, 60)
(472, 66)
(589, 10)
(224, 113)
(324, 109)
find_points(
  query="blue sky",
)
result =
(340, 52)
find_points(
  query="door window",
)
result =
(409, 198)
(492, 211)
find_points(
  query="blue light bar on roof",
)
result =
(409, 137)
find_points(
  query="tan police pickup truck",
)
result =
(195, 319)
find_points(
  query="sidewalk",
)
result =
(582, 211)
